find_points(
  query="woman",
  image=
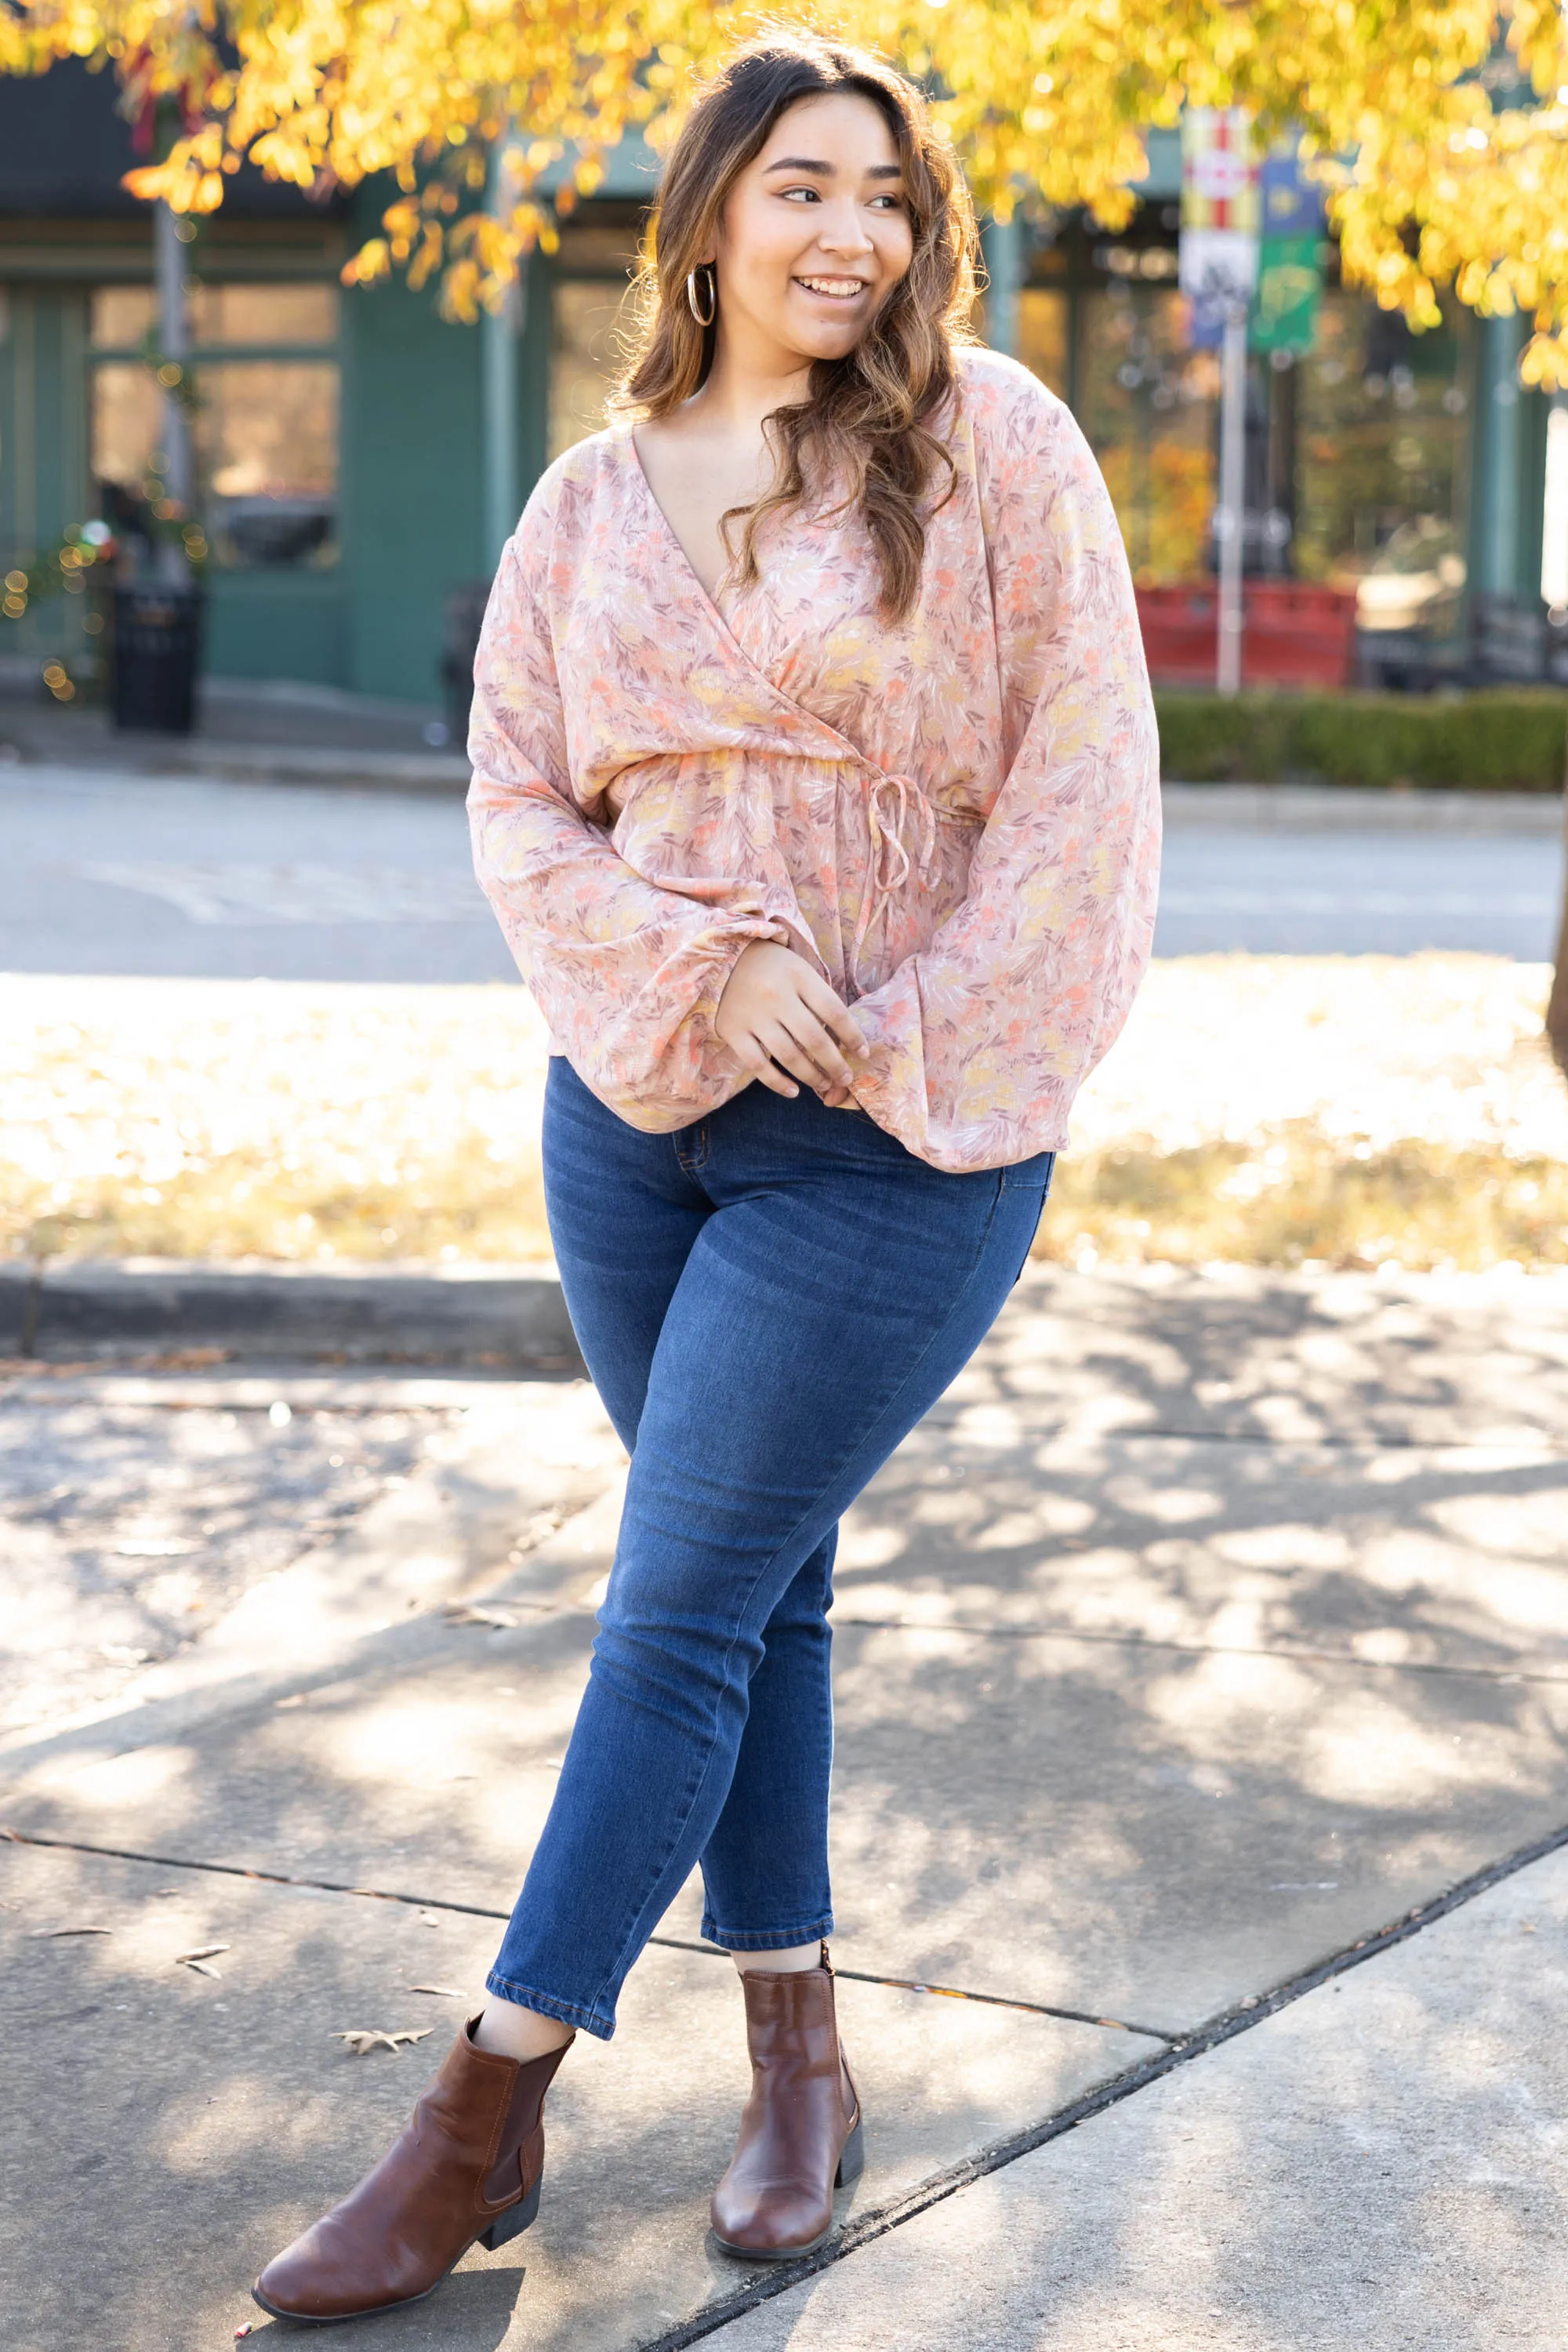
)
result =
(816, 790)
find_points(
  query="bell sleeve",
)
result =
(627, 972)
(979, 1042)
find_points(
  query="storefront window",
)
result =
(126, 407)
(1147, 404)
(266, 424)
(1381, 433)
(268, 441)
(121, 315)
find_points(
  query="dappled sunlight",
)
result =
(1372, 2165)
(231, 2115)
(864, 1547)
(115, 1787)
(1162, 1505)
(1285, 1546)
(1092, 1821)
(1367, 1751)
(1139, 1714)
(1526, 1523)
(1053, 1515)
(421, 1740)
(1092, 1475)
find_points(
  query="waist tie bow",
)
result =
(887, 808)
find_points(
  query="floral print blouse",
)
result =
(955, 819)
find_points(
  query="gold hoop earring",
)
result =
(712, 293)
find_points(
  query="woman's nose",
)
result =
(843, 231)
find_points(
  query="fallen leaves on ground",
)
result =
(197, 1961)
(448, 1992)
(1275, 1111)
(38, 1934)
(471, 1613)
(362, 2039)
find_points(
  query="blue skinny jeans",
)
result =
(768, 1301)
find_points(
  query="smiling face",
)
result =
(815, 233)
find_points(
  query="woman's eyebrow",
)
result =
(824, 171)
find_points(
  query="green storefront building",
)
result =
(360, 456)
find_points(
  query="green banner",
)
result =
(1289, 285)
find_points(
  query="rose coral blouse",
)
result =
(955, 818)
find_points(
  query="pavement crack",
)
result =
(1535, 1440)
(865, 2229)
(954, 1992)
(482, 1911)
(1114, 1641)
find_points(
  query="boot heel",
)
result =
(852, 2163)
(514, 2221)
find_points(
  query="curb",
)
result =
(1290, 808)
(501, 1317)
(383, 772)
(1357, 808)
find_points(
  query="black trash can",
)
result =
(156, 650)
(464, 615)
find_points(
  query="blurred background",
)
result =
(249, 508)
(1403, 526)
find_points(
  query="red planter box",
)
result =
(1296, 634)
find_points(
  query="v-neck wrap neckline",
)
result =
(954, 816)
(892, 800)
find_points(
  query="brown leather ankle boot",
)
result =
(465, 2167)
(800, 2135)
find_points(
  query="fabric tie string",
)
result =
(887, 808)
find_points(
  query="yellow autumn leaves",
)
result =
(1438, 120)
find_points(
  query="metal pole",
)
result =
(1002, 247)
(1501, 435)
(1232, 498)
(498, 334)
(174, 342)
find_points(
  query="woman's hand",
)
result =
(775, 1011)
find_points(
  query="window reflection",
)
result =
(1147, 404)
(126, 408)
(266, 428)
(1382, 425)
(266, 436)
(121, 317)
(586, 354)
(264, 314)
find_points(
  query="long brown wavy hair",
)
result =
(867, 418)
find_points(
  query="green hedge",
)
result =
(1497, 738)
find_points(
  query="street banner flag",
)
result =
(1290, 256)
(1221, 217)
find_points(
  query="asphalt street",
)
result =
(114, 873)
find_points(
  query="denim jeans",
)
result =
(768, 1301)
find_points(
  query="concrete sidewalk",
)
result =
(1378, 2164)
(1213, 1625)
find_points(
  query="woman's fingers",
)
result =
(753, 1056)
(784, 1023)
(831, 1011)
(817, 1039)
(777, 1040)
